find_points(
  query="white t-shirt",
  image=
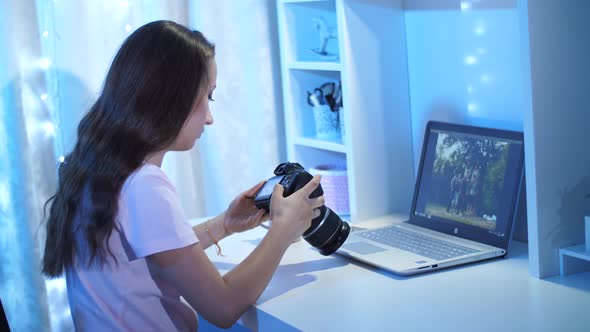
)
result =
(125, 296)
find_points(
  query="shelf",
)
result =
(574, 259)
(314, 65)
(320, 144)
(580, 251)
(308, 28)
(312, 156)
(301, 1)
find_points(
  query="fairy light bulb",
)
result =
(44, 63)
(48, 127)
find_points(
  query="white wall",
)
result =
(464, 65)
(556, 125)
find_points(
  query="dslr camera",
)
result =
(327, 232)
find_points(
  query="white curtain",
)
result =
(53, 59)
(27, 167)
(244, 144)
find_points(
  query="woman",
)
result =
(115, 225)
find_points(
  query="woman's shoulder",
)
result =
(146, 177)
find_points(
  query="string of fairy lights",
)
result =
(51, 98)
(51, 126)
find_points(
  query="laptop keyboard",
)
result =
(416, 243)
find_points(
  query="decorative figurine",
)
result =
(325, 34)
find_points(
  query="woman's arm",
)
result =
(223, 299)
(216, 229)
(220, 299)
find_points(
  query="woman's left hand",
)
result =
(242, 214)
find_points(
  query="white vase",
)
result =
(326, 123)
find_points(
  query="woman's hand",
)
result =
(292, 215)
(242, 214)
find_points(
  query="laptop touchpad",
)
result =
(362, 248)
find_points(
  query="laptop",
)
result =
(464, 204)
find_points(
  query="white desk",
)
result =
(311, 292)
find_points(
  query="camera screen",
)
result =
(269, 185)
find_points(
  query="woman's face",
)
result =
(199, 116)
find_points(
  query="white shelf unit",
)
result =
(371, 65)
(575, 259)
(304, 65)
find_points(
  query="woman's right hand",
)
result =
(292, 215)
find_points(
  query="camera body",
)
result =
(327, 231)
(292, 177)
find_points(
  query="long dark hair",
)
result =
(156, 76)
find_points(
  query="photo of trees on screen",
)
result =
(468, 176)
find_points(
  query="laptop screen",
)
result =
(468, 182)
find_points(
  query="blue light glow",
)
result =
(44, 63)
(4, 196)
(48, 127)
(470, 60)
(479, 30)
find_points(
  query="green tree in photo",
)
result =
(493, 183)
(483, 161)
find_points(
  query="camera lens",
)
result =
(327, 232)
